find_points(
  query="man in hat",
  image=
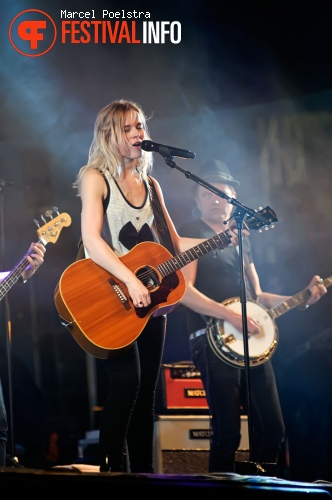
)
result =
(212, 279)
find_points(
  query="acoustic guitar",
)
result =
(96, 307)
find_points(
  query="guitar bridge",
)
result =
(123, 299)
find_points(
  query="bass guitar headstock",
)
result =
(50, 231)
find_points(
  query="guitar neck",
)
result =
(10, 280)
(295, 301)
(49, 232)
(217, 242)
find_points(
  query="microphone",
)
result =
(167, 150)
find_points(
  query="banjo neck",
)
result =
(295, 301)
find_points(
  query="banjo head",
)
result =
(227, 342)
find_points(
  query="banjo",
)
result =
(227, 342)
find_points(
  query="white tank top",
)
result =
(128, 224)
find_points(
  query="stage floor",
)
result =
(87, 478)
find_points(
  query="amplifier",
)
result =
(183, 387)
(182, 443)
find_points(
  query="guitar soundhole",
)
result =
(148, 277)
(160, 295)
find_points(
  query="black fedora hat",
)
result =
(216, 171)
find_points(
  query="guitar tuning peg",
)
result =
(260, 231)
(266, 228)
(56, 210)
(36, 222)
(43, 219)
(49, 213)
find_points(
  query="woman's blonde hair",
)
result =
(108, 134)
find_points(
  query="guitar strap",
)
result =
(249, 285)
(80, 253)
(162, 228)
(251, 288)
(252, 293)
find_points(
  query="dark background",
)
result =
(249, 84)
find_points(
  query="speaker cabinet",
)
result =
(182, 443)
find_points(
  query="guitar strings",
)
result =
(148, 275)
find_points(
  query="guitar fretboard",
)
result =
(49, 232)
(217, 242)
(10, 280)
(295, 301)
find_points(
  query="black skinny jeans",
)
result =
(128, 416)
(224, 391)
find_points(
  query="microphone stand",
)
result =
(240, 212)
(3, 184)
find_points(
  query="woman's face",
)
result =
(131, 136)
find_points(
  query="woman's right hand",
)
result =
(139, 294)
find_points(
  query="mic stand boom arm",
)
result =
(239, 215)
(232, 201)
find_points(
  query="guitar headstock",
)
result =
(266, 217)
(50, 231)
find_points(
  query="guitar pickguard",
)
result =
(158, 296)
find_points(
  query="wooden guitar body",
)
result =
(96, 307)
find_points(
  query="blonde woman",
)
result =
(122, 205)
